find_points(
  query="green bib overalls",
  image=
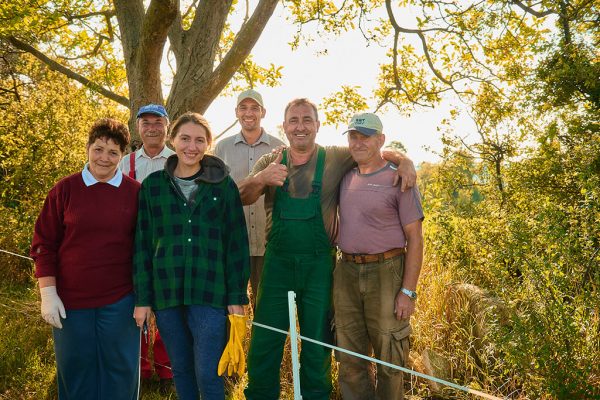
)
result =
(299, 258)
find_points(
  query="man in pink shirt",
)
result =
(374, 288)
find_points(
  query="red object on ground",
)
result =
(162, 365)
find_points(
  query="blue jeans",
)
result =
(195, 339)
(97, 353)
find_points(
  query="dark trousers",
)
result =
(195, 339)
(98, 352)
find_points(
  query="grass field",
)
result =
(451, 327)
(27, 368)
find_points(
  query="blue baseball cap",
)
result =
(155, 109)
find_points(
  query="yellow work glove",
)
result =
(233, 359)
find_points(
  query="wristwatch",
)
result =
(409, 293)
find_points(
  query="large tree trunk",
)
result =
(143, 37)
(199, 77)
(196, 82)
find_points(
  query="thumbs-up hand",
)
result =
(275, 173)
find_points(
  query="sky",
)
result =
(306, 74)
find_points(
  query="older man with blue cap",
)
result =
(152, 124)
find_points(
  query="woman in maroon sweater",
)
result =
(82, 247)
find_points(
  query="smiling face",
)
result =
(190, 144)
(103, 159)
(365, 149)
(301, 126)
(249, 113)
(152, 130)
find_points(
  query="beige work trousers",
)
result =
(363, 298)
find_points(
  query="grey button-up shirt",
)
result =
(241, 157)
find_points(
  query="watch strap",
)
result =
(410, 293)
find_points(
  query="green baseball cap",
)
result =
(368, 124)
(250, 94)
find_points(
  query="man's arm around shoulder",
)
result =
(406, 168)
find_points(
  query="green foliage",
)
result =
(341, 106)
(397, 145)
(42, 139)
(78, 33)
(534, 251)
(26, 350)
(570, 75)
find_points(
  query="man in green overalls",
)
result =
(301, 197)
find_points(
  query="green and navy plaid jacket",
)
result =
(191, 252)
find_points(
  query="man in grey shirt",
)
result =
(240, 152)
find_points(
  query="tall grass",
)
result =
(27, 369)
(26, 351)
(455, 335)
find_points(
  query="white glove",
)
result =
(52, 306)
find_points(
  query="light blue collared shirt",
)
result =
(89, 179)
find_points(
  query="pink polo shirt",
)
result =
(373, 212)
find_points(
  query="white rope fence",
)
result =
(295, 338)
(15, 254)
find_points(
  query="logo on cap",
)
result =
(368, 124)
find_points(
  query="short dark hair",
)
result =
(301, 101)
(194, 118)
(109, 128)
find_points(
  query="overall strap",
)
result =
(318, 178)
(284, 162)
(320, 167)
(132, 165)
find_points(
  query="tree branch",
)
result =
(419, 33)
(535, 13)
(205, 33)
(143, 70)
(175, 35)
(225, 131)
(106, 13)
(53, 65)
(129, 15)
(153, 35)
(93, 52)
(239, 51)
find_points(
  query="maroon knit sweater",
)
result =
(84, 237)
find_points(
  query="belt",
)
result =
(369, 258)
